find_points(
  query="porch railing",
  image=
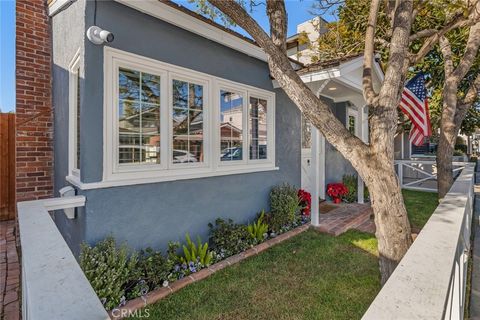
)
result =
(421, 174)
(53, 285)
(430, 281)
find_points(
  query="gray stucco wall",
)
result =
(67, 38)
(335, 164)
(152, 214)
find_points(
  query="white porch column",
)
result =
(315, 213)
(362, 134)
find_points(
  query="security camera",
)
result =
(98, 36)
(378, 57)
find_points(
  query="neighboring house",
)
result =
(177, 122)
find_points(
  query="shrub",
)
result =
(258, 230)
(284, 206)
(350, 181)
(461, 149)
(109, 270)
(196, 253)
(154, 267)
(228, 238)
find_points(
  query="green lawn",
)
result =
(312, 276)
(420, 206)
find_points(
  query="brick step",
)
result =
(341, 222)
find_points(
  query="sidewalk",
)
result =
(9, 272)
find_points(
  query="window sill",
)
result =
(135, 181)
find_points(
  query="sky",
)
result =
(7, 55)
(298, 12)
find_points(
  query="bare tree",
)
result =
(373, 161)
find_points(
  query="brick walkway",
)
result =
(9, 272)
(342, 217)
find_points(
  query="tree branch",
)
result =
(433, 36)
(368, 56)
(278, 23)
(315, 110)
(446, 50)
(472, 93)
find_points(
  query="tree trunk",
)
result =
(448, 134)
(392, 227)
(373, 162)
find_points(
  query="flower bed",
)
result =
(158, 294)
(118, 275)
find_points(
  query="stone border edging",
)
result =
(160, 293)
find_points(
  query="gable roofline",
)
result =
(345, 63)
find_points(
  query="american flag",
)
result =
(415, 105)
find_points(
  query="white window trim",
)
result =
(167, 171)
(73, 70)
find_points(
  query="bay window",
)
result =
(164, 122)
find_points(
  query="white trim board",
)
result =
(182, 20)
(193, 175)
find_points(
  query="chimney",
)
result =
(34, 130)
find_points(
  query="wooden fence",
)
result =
(7, 166)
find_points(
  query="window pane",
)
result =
(129, 84)
(351, 124)
(139, 117)
(195, 96)
(129, 130)
(150, 88)
(231, 126)
(77, 124)
(258, 128)
(187, 120)
(180, 94)
(151, 134)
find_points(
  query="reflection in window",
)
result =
(306, 133)
(231, 126)
(258, 128)
(187, 122)
(139, 117)
(351, 124)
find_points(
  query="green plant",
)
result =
(193, 251)
(228, 238)
(284, 206)
(461, 148)
(258, 229)
(154, 267)
(109, 269)
(350, 181)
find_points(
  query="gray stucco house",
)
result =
(176, 121)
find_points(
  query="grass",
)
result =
(312, 276)
(420, 206)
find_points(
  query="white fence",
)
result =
(53, 285)
(421, 174)
(429, 282)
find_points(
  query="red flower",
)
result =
(336, 190)
(305, 201)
